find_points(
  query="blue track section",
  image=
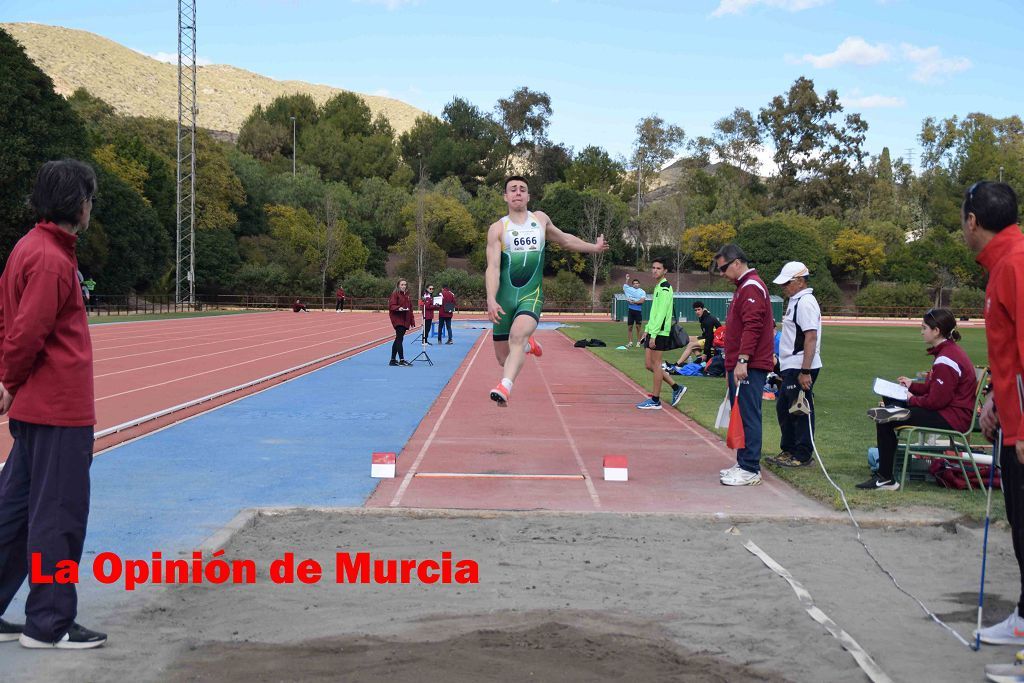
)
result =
(307, 442)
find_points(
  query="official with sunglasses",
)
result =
(749, 347)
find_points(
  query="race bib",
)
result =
(524, 240)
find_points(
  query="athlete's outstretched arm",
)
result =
(493, 273)
(571, 242)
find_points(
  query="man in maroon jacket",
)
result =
(749, 345)
(989, 220)
(46, 389)
(445, 313)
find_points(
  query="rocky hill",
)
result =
(138, 85)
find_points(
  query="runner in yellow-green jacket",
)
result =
(657, 339)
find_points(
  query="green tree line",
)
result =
(360, 195)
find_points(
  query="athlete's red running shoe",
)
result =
(500, 395)
(535, 348)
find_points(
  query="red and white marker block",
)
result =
(383, 465)
(615, 468)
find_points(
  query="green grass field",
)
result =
(852, 358)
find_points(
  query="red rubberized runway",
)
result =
(568, 410)
(144, 367)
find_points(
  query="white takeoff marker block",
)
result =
(615, 468)
(383, 465)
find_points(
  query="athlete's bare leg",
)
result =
(523, 328)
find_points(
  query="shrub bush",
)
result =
(464, 285)
(967, 299)
(566, 287)
(362, 285)
(898, 299)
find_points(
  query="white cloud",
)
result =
(382, 92)
(391, 5)
(873, 102)
(853, 50)
(739, 6)
(172, 58)
(932, 67)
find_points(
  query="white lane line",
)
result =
(494, 475)
(189, 359)
(572, 441)
(437, 426)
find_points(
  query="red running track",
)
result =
(144, 367)
(545, 451)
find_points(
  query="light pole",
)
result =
(293, 146)
(1000, 174)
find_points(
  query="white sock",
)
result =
(507, 383)
(526, 348)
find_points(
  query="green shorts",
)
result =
(517, 301)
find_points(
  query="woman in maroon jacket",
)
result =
(944, 401)
(402, 318)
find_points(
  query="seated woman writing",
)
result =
(944, 401)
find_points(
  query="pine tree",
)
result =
(36, 125)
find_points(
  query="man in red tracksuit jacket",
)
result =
(749, 346)
(989, 221)
(46, 389)
(445, 313)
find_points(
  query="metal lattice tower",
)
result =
(188, 110)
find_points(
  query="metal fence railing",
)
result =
(132, 304)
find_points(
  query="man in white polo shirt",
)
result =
(799, 362)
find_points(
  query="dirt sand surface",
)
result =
(567, 597)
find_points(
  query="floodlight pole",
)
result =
(188, 112)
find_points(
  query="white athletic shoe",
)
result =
(727, 470)
(1007, 673)
(741, 477)
(1009, 631)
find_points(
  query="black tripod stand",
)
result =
(423, 355)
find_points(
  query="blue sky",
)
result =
(606, 64)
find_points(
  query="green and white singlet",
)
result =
(522, 271)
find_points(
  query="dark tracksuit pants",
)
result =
(1013, 494)
(749, 395)
(888, 441)
(796, 431)
(44, 508)
(444, 324)
(428, 324)
(397, 346)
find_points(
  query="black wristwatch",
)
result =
(742, 360)
(804, 372)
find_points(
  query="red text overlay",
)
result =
(348, 567)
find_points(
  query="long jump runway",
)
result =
(568, 410)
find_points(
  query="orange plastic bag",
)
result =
(735, 438)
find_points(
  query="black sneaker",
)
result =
(404, 363)
(885, 415)
(449, 342)
(876, 483)
(77, 638)
(427, 342)
(393, 362)
(9, 631)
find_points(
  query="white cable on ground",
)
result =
(896, 583)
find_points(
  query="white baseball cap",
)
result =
(791, 270)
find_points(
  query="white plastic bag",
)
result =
(722, 420)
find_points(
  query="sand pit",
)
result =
(568, 597)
